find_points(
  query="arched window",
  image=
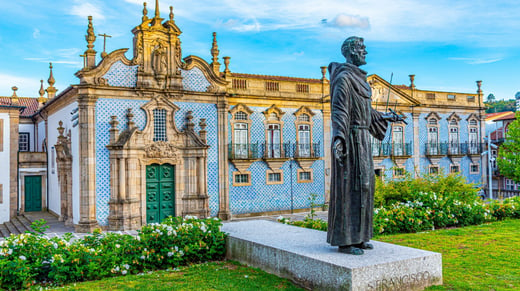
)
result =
(305, 147)
(240, 147)
(473, 139)
(304, 117)
(453, 137)
(398, 140)
(240, 115)
(433, 137)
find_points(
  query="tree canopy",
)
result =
(509, 153)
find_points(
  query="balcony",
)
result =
(453, 149)
(32, 159)
(380, 149)
(255, 151)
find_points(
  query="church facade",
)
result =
(140, 139)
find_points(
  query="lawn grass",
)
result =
(225, 275)
(481, 257)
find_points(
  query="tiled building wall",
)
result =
(260, 197)
(108, 107)
(121, 75)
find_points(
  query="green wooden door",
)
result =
(160, 192)
(33, 193)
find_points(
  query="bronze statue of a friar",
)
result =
(353, 122)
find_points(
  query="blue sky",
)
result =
(447, 44)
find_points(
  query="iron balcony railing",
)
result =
(273, 151)
(380, 149)
(450, 148)
(306, 150)
(244, 151)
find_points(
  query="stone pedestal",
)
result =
(303, 256)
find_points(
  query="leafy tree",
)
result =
(491, 98)
(509, 152)
(500, 105)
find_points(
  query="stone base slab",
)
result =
(303, 256)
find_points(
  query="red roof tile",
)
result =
(509, 116)
(30, 104)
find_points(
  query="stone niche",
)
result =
(159, 143)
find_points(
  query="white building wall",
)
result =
(4, 169)
(64, 115)
(30, 129)
(41, 136)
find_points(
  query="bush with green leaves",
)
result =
(408, 188)
(31, 258)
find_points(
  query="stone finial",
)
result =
(91, 36)
(114, 132)
(412, 79)
(479, 87)
(61, 129)
(145, 12)
(51, 91)
(42, 91)
(323, 73)
(214, 53)
(51, 80)
(14, 97)
(90, 53)
(130, 116)
(189, 123)
(203, 132)
(157, 13)
(227, 72)
(171, 13)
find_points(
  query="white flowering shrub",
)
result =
(30, 259)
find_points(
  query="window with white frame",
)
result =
(398, 141)
(304, 132)
(240, 132)
(453, 136)
(159, 125)
(454, 169)
(304, 176)
(274, 177)
(474, 169)
(434, 170)
(510, 184)
(433, 137)
(473, 136)
(273, 147)
(24, 142)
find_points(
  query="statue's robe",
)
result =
(352, 186)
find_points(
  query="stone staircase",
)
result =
(17, 225)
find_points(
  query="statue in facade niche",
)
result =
(159, 63)
(353, 180)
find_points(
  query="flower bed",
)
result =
(430, 211)
(29, 259)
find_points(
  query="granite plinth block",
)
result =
(303, 256)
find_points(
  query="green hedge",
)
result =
(30, 259)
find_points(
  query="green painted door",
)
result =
(160, 192)
(33, 193)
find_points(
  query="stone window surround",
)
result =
(298, 122)
(473, 117)
(454, 117)
(311, 180)
(279, 114)
(430, 167)
(395, 170)
(248, 173)
(233, 121)
(452, 167)
(28, 135)
(471, 170)
(276, 171)
(437, 118)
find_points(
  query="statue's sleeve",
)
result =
(340, 108)
(378, 125)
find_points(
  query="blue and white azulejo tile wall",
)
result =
(121, 75)
(194, 80)
(260, 197)
(109, 107)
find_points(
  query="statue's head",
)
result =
(354, 51)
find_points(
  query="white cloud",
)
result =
(36, 33)
(344, 20)
(85, 9)
(477, 61)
